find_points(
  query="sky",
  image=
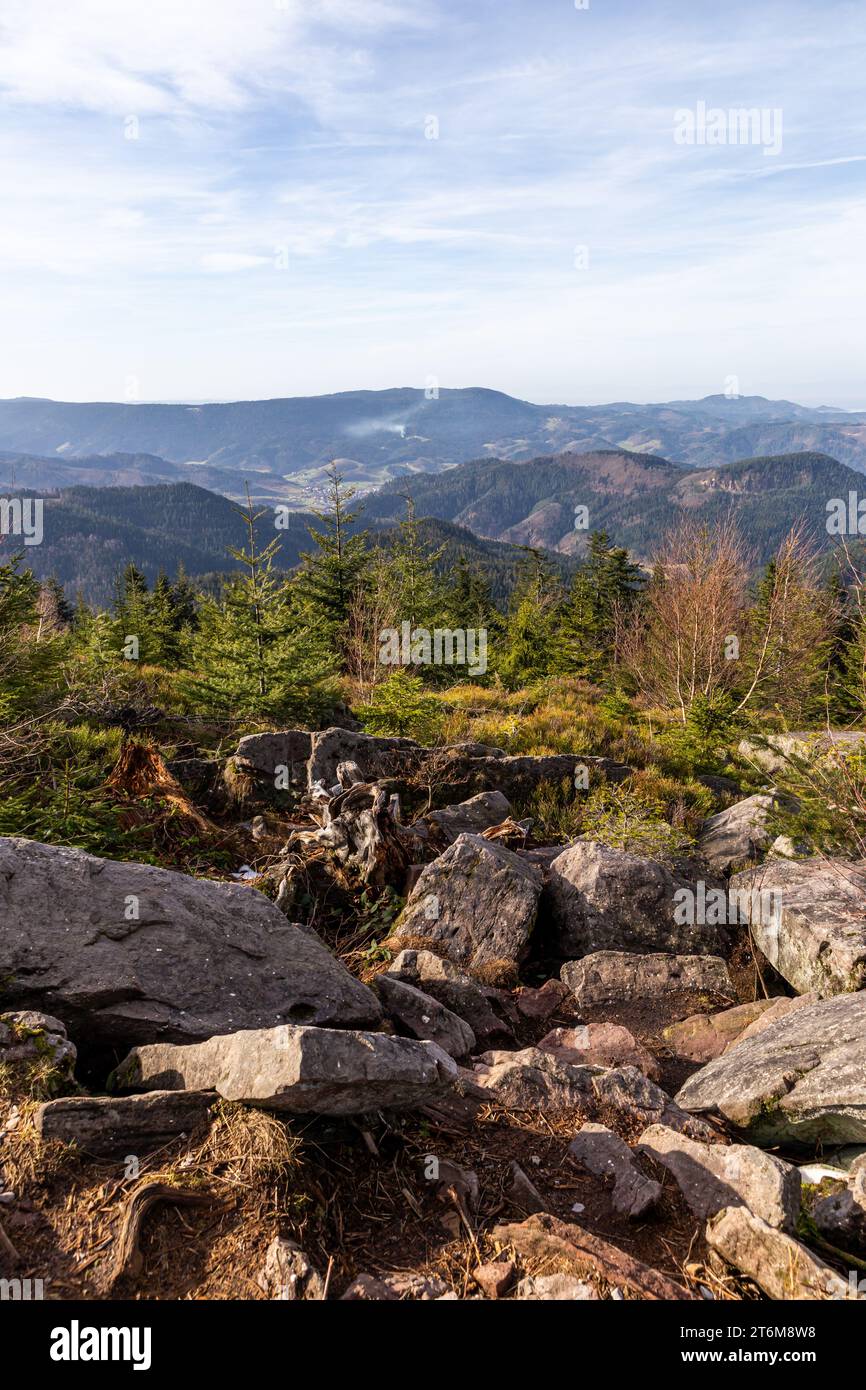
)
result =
(233, 199)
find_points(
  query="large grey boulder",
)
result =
(122, 1124)
(605, 899)
(266, 754)
(320, 1071)
(736, 835)
(808, 917)
(781, 1266)
(800, 1080)
(453, 988)
(376, 758)
(611, 977)
(714, 1176)
(478, 901)
(125, 953)
(423, 1016)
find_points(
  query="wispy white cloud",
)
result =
(230, 199)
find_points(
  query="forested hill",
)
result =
(635, 497)
(92, 533)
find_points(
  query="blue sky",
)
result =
(238, 198)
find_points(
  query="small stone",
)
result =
(522, 1193)
(288, 1274)
(714, 1176)
(558, 1288)
(496, 1278)
(541, 1003)
(606, 1155)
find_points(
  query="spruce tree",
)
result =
(330, 575)
(256, 651)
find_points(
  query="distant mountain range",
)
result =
(489, 511)
(282, 447)
(635, 497)
(90, 534)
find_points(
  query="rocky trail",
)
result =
(412, 1051)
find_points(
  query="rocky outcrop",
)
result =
(607, 1156)
(714, 1176)
(377, 758)
(736, 835)
(319, 1071)
(126, 953)
(701, 1037)
(798, 1080)
(605, 899)
(102, 1125)
(477, 901)
(777, 1263)
(808, 917)
(772, 754)
(608, 977)
(424, 1017)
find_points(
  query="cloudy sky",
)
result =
(218, 199)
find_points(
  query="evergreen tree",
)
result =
(417, 588)
(255, 651)
(531, 641)
(330, 575)
(601, 595)
(133, 613)
(164, 639)
(469, 601)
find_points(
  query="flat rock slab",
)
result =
(605, 899)
(714, 1176)
(736, 835)
(608, 1156)
(808, 917)
(125, 953)
(424, 1017)
(701, 1037)
(600, 1045)
(470, 817)
(801, 1079)
(118, 1124)
(319, 1071)
(778, 1264)
(610, 977)
(477, 901)
(545, 1237)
